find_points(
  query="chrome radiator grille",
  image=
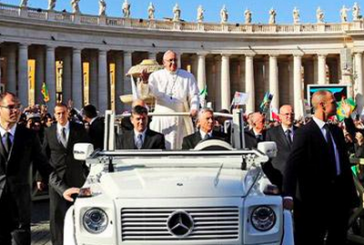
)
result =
(154, 224)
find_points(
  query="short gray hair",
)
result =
(168, 52)
(203, 111)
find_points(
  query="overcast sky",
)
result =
(259, 8)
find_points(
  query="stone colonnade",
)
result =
(284, 75)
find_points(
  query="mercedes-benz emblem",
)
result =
(180, 223)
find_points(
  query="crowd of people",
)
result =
(312, 167)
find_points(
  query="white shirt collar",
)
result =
(285, 128)
(136, 133)
(203, 134)
(319, 122)
(59, 127)
(12, 130)
(92, 120)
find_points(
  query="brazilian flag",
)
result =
(340, 113)
(45, 93)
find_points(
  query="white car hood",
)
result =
(174, 183)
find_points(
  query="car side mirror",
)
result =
(269, 148)
(81, 151)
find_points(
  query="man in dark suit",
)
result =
(19, 148)
(59, 140)
(96, 126)
(318, 179)
(141, 137)
(205, 123)
(257, 133)
(282, 135)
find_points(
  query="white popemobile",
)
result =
(213, 194)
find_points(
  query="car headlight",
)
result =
(263, 218)
(95, 220)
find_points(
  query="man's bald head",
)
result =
(286, 115)
(324, 104)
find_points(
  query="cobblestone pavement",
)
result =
(40, 223)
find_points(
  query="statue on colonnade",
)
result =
(296, 16)
(344, 14)
(151, 11)
(200, 13)
(75, 7)
(126, 9)
(320, 15)
(272, 16)
(24, 3)
(51, 4)
(102, 7)
(356, 11)
(224, 15)
(248, 16)
(176, 13)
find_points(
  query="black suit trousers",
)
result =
(330, 221)
(11, 231)
(57, 212)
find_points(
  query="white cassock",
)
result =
(174, 92)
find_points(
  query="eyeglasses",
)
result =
(172, 60)
(12, 107)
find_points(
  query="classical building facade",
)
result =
(84, 58)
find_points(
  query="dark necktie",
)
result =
(330, 144)
(288, 136)
(7, 143)
(64, 137)
(259, 137)
(206, 137)
(139, 141)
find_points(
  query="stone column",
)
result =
(249, 82)
(39, 74)
(11, 69)
(66, 76)
(103, 103)
(217, 84)
(242, 74)
(77, 86)
(127, 81)
(297, 86)
(225, 81)
(119, 74)
(321, 69)
(93, 84)
(23, 84)
(50, 75)
(201, 71)
(179, 59)
(359, 73)
(273, 80)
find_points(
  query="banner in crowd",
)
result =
(240, 98)
(44, 92)
(264, 106)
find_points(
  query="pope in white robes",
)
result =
(175, 90)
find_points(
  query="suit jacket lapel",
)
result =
(54, 135)
(2, 149)
(147, 140)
